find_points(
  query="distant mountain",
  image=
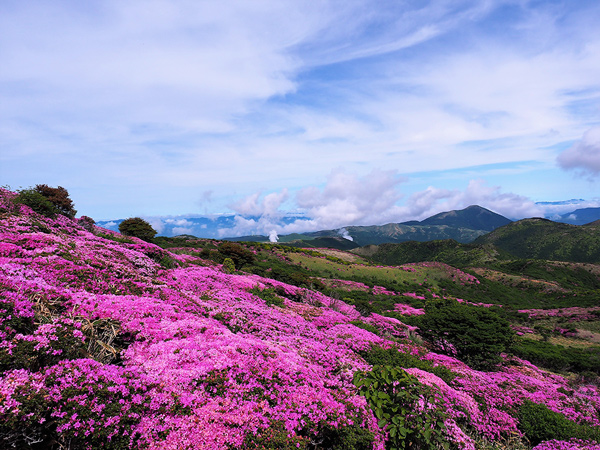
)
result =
(462, 226)
(473, 217)
(580, 216)
(398, 232)
(544, 239)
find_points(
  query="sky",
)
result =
(349, 112)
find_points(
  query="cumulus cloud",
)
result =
(268, 206)
(182, 230)
(347, 199)
(157, 223)
(584, 155)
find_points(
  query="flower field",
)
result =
(108, 341)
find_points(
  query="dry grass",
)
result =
(101, 334)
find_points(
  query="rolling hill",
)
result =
(543, 239)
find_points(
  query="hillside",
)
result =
(448, 251)
(107, 341)
(544, 239)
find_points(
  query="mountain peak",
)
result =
(474, 217)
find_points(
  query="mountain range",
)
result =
(463, 226)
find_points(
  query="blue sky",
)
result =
(353, 112)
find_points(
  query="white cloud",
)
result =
(179, 222)
(267, 206)
(373, 199)
(182, 230)
(423, 204)
(347, 199)
(584, 155)
(156, 223)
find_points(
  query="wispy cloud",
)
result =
(167, 100)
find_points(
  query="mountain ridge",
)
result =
(463, 225)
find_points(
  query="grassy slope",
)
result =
(544, 239)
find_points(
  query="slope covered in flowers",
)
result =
(112, 342)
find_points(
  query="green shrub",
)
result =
(238, 253)
(228, 265)
(268, 295)
(37, 202)
(539, 424)
(557, 357)
(473, 334)
(412, 413)
(137, 227)
(377, 356)
(365, 326)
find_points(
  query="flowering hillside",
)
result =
(108, 341)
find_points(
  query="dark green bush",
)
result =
(238, 253)
(538, 424)
(137, 227)
(365, 326)
(476, 335)
(377, 356)
(557, 357)
(37, 202)
(268, 295)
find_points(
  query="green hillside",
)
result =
(544, 239)
(447, 251)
